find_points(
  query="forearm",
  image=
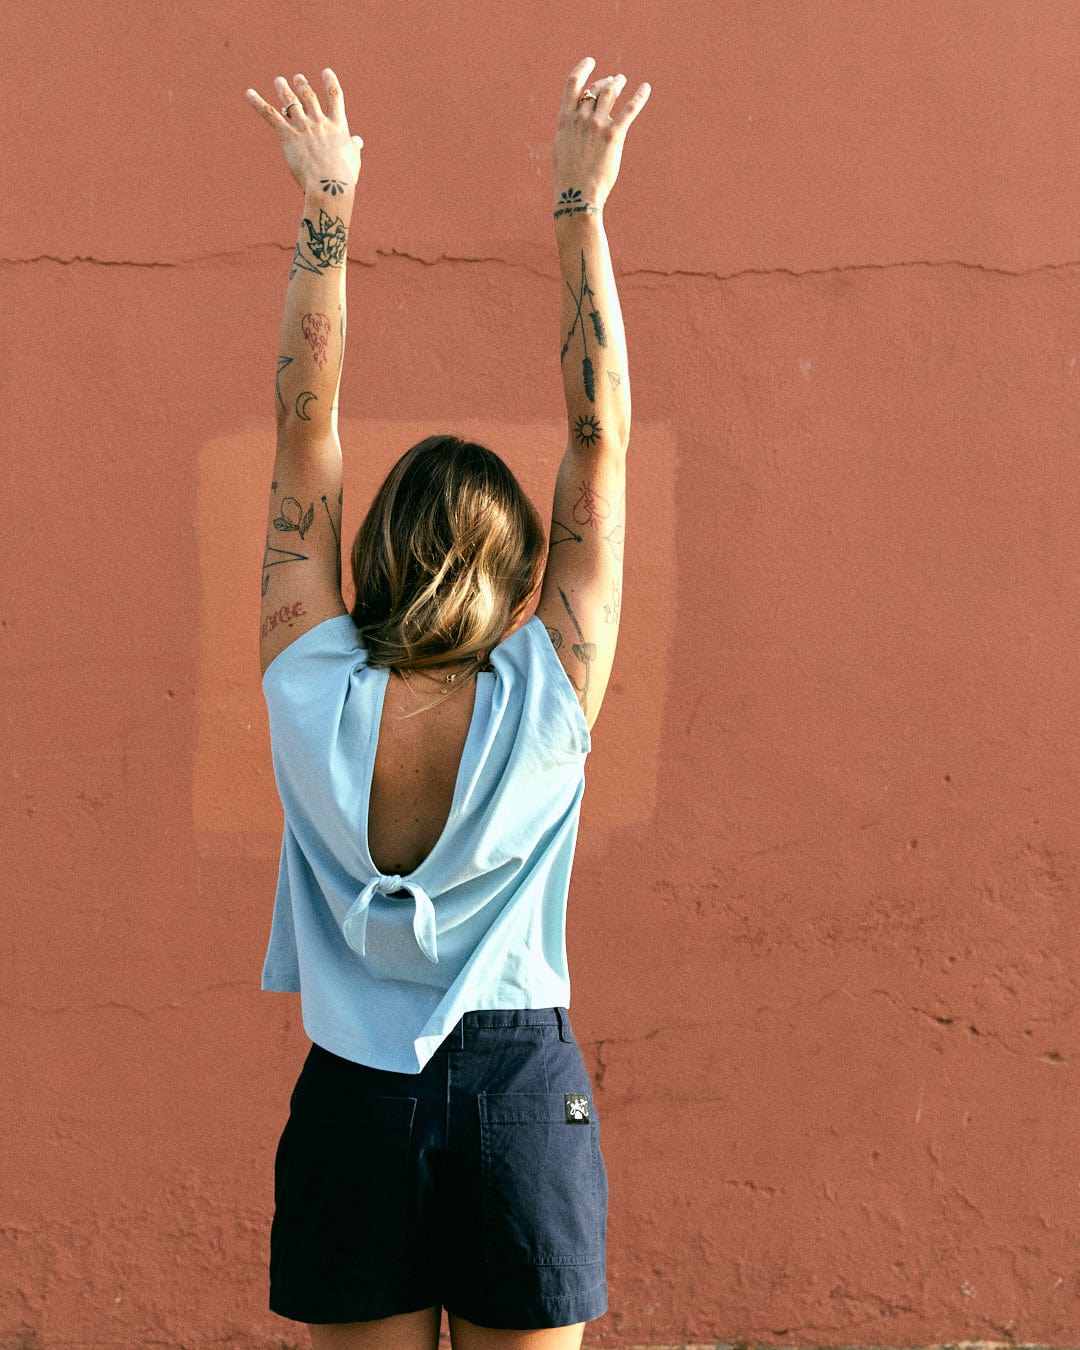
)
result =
(595, 375)
(312, 347)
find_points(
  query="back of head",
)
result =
(447, 556)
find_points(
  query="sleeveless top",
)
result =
(386, 965)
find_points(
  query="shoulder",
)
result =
(524, 651)
(318, 654)
(532, 674)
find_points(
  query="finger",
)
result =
(632, 107)
(269, 112)
(586, 104)
(575, 83)
(335, 99)
(607, 91)
(308, 97)
(288, 98)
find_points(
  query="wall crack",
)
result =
(691, 273)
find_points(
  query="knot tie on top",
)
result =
(354, 924)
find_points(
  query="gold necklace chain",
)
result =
(446, 690)
(437, 679)
(447, 683)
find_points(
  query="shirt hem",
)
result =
(279, 984)
(344, 1051)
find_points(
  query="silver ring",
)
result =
(587, 94)
(294, 104)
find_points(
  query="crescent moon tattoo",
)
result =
(302, 401)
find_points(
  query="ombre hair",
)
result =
(447, 557)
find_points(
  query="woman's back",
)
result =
(470, 808)
(422, 735)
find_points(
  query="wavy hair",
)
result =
(447, 557)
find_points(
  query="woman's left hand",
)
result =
(317, 145)
(588, 139)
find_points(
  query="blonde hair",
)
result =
(447, 557)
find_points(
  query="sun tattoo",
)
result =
(588, 429)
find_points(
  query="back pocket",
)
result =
(342, 1180)
(544, 1185)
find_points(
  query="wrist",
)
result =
(332, 195)
(573, 203)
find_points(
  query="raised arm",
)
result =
(582, 590)
(301, 574)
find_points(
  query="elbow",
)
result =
(618, 442)
(617, 430)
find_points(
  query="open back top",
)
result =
(386, 965)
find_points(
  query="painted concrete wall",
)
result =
(823, 932)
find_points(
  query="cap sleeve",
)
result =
(303, 660)
(531, 654)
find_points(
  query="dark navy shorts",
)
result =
(477, 1184)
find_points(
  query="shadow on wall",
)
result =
(235, 805)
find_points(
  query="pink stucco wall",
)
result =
(823, 933)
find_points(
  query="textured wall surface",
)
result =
(823, 931)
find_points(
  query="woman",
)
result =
(442, 1147)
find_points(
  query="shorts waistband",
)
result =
(481, 1018)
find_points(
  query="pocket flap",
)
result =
(529, 1108)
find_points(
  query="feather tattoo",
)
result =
(588, 377)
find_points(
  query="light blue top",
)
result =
(382, 980)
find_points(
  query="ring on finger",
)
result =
(585, 96)
(294, 104)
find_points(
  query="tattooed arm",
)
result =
(582, 589)
(301, 574)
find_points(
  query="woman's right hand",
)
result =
(588, 140)
(317, 145)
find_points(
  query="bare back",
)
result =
(416, 769)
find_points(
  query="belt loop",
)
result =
(565, 1033)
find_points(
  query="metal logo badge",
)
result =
(577, 1108)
